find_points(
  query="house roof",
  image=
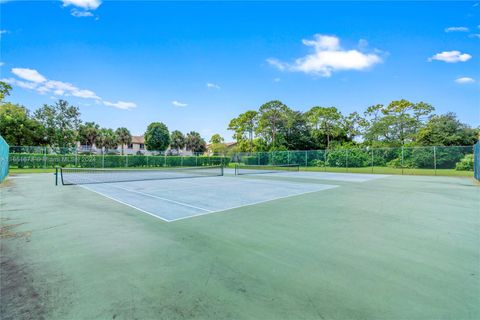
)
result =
(227, 144)
(138, 139)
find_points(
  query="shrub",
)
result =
(465, 164)
(351, 158)
(317, 163)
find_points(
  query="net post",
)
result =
(56, 175)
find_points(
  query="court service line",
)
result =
(161, 198)
(255, 203)
(125, 203)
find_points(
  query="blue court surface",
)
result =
(178, 199)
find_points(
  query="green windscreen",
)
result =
(476, 160)
(3, 159)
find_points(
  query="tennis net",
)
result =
(70, 176)
(259, 169)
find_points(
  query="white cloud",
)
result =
(2, 63)
(20, 83)
(29, 75)
(474, 35)
(3, 32)
(276, 80)
(84, 4)
(456, 29)
(213, 86)
(80, 14)
(179, 104)
(328, 57)
(277, 64)
(451, 56)
(464, 80)
(120, 105)
(39, 83)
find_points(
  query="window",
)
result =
(130, 146)
(142, 146)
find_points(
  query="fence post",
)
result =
(76, 157)
(346, 160)
(103, 159)
(306, 158)
(44, 157)
(372, 160)
(126, 161)
(325, 160)
(402, 160)
(435, 159)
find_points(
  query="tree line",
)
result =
(60, 125)
(275, 126)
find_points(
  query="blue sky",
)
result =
(196, 65)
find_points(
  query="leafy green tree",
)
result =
(325, 122)
(244, 126)
(397, 123)
(124, 137)
(217, 145)
(272, 120)
(216, 138)
(353, 125)
(5, 89)
(177, 140)
(107, 139)
(157, 137)
(446, 130)
(61, 122)
(195, 142)
(18, 128)
(296, 132)
(88, 133)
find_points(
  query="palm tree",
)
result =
(123, 136)
(107, 139)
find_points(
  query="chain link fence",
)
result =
(402, 160)
(453, 160)
(25, 157)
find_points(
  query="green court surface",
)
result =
(390, 247)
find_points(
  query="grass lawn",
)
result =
(388, 170)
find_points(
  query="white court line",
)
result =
(127, 204)
(153, 196)
(198, 214)
(164, 199)
(254, 203)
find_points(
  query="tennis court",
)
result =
(277, 245)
